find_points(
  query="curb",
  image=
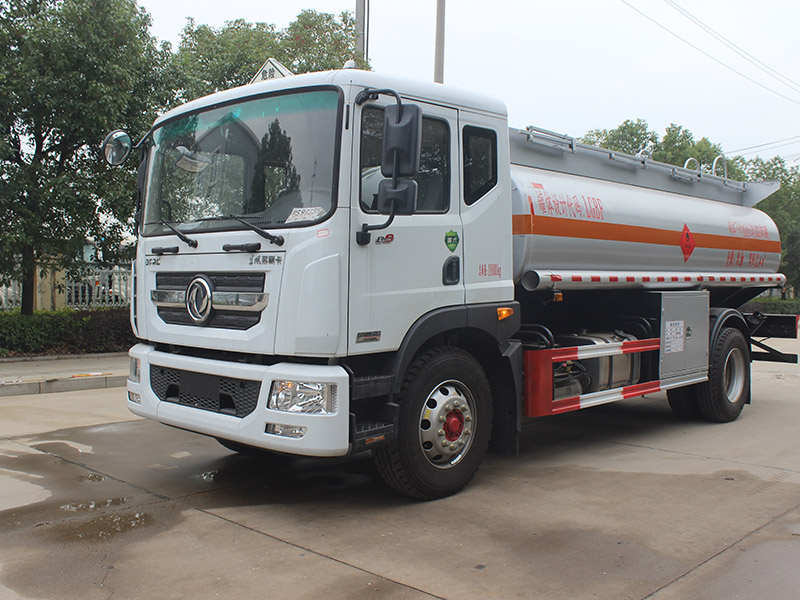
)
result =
(62, 385)
(13, 359)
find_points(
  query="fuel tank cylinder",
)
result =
(570, 228)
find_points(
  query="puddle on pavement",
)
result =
(208, 475)
(102, 527)
(93, 505)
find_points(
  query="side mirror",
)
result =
(402, 140)
(399, 200)
(116, 147)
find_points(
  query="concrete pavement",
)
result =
(620, 501)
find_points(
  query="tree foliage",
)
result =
(631, 137)
(70, 70)
(212, 59)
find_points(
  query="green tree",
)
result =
(631, 137)
(212, 59)
(69, 71)
(320, 42)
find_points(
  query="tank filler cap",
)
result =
(350, 64)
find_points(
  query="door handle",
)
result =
(451, 271)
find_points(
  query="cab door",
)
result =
(416, 264)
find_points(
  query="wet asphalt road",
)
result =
(621, 501)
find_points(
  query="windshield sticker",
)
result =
(451, 240)
(309, 213)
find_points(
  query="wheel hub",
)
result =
(446, 423)
(734, 375)
(453, 425)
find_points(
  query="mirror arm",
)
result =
(144, 137)
(372, 94)
(363, 237)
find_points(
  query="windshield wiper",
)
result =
(184, 238)
(275, 239)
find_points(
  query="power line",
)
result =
(796, 137)
(779, 77)
(773, 147)
(716, 60)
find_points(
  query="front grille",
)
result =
(222, 282)
(228, 320)
(225, 395)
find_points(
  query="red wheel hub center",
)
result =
(453, 425)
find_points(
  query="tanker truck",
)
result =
(338, 262)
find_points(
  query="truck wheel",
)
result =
(722, 398)
(683, 402)
(444, 426)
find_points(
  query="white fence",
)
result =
(10, 296)
(93, 288)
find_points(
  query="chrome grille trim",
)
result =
(239, 301)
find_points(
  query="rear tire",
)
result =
(722, 398)
(444, 426)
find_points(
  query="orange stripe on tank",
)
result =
(593, 230)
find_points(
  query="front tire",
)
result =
(444, 426)
(722, 398)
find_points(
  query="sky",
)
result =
(575, 65)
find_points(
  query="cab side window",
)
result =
(480, 162)
(433, 180)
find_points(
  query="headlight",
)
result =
(303, 397)
(135, 374)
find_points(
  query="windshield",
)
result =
(270, 160)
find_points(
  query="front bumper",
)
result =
(325, 435)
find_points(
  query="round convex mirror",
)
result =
(116, 147)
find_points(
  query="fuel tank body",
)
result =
(575, 229)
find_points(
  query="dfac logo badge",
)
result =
(451, 240)
(198, 300)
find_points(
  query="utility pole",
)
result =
(361, 27)
(438, 67)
